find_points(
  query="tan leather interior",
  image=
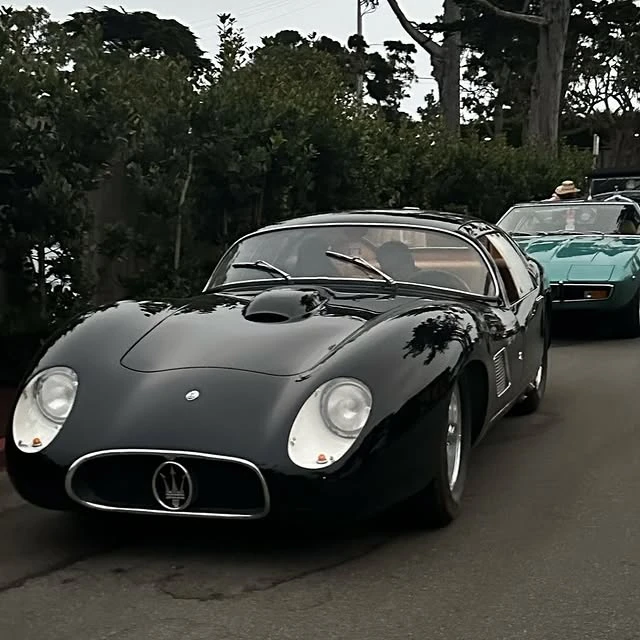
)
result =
(507, 279)
(464, 263)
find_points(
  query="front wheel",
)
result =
(439, 503)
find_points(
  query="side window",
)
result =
(513, 269)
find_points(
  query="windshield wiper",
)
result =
(261, 265)
(567, 232)
(519, 233)
(361, 262)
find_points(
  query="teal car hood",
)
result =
(580, 258)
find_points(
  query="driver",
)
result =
(628, 221)
(312, 259)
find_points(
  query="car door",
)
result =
(525, 303)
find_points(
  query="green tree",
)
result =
(60, 128)
(386, 78)
(141, 32)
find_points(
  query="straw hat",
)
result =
(567, 188)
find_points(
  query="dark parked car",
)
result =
(333, 366)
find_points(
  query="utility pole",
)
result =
(360, 77)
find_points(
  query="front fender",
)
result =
(100, 337)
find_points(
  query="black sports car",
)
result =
(334, 365)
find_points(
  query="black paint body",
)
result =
(136, 361)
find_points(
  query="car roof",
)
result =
(614, 173)
(411, 216)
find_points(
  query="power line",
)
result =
(257, 9)
(285, 15)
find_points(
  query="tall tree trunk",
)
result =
(449, 83)
(445, 60)
(547, 87)
(42, 280)
(4, 287)
(502, 79)
(177, 250)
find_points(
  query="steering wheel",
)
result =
(440, 278)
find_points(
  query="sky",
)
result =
(333, 18)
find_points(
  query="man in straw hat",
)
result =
(566, 191)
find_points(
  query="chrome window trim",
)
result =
(313, 279)
(471, 242)
(167, 454)
(523, 255)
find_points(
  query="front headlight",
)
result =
(345, 406)
(43, 407)
(329, 422)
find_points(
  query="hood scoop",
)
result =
(284, 305)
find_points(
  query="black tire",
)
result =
(535, 393)
(627, 321)
(437, 505)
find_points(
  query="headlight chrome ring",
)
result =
(55, 393)
(345, 406)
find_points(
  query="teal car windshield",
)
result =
(571, 217)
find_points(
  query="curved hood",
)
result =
(580, 258)
(280, 331)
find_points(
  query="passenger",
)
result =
(565, 191)
(395, 259)
(628, 221)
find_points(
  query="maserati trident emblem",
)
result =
(192, 395)
(172, 486)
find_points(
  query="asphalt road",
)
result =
(546, 547)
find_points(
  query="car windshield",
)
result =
(570, 217)
(418, 256)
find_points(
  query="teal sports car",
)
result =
(590, 253)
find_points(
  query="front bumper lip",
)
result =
(289, 493)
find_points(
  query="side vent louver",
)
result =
(501, 368)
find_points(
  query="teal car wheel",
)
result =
(628, 318)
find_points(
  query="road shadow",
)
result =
(583, 328)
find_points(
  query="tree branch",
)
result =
(431, 47)
(514, 15)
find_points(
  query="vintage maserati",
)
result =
(333, 366)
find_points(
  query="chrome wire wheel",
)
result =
(454, 438)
